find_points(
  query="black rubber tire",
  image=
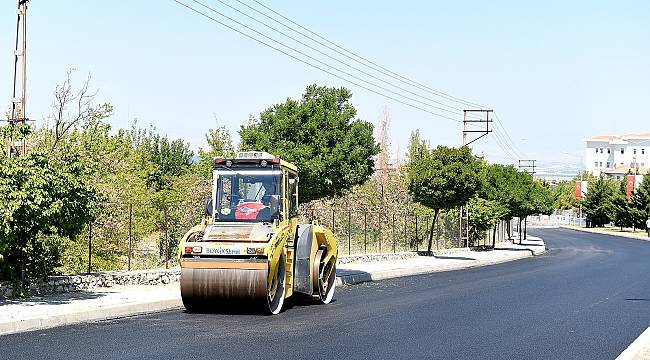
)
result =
(274, 304)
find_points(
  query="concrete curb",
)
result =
(618, 234)
(102, 313)
(535, 251)
(374, 257)
(633, 351)
(361, 277)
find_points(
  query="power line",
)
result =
(505, 149)
(497, 156)
(499, 123)
(307, 62)
(334, 58)
(505, 143)
(394, 74)
(314, 59)
(501, 141)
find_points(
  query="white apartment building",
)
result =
(614, 156)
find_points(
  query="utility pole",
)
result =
(464, 212)
(382, 161)
(528, 166)
(467, 121)
(383, 158)
(17, 113)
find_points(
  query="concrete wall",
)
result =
(69, 283)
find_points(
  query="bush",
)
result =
(42, 200)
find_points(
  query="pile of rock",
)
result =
(6, 290)
(69, 283)
(346, 259)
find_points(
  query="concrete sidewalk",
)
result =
(75, 307)
(639, 234)
(121, 301)
(639, 349)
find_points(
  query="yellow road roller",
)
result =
(250, 250)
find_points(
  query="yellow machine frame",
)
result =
(216, 272)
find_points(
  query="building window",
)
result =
(608, 164)
(596, 150)
(622, 151)
(634, 151)
(596, 164)
(608, 150)
(600, 164)
(642, 151)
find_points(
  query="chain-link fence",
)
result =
(146, 235)
(363, 232)
(135, 236)
(565, 217)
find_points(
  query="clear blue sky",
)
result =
(556, 72)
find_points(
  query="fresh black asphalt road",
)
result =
(588, 297)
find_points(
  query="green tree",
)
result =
(537, 199)
(219, 144)
(444, 178)
(524, 196)
(507, 186)
(416, 147)
(517, 192)
(320, 135)
(172, 158)
(483, 215)
(41, 198)
(564, 196)
(522, 205)
(497, 190)
(503, 184)
(595, 203)
(620, 208)
(18, 133)
(641, 203)
(135, 168)
(541, 199)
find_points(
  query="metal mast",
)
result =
(464, 210)
(18, 101)
(383, 158)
